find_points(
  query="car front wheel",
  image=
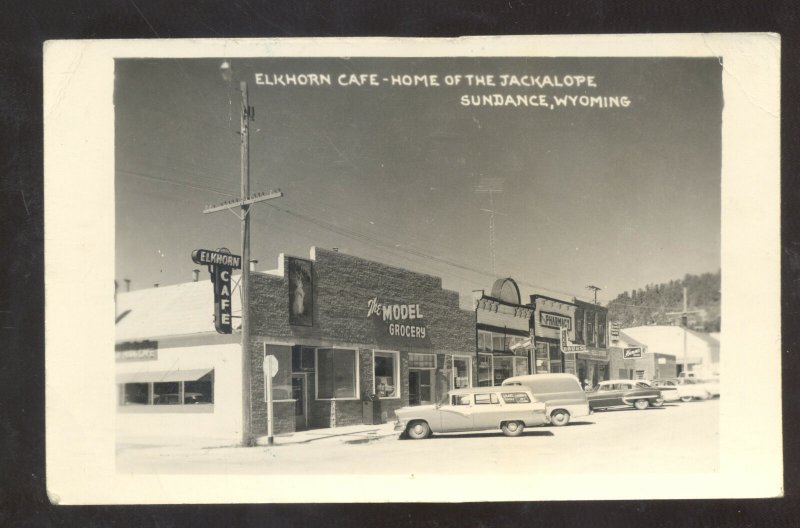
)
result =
(559, 418)
(418, 430)
(686, 399)
(512, 428)
(641, 404)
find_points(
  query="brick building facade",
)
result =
(372, 336)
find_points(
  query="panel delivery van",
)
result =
(562, 394)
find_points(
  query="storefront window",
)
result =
(601, 329)
(520, 366)
(167, 393)
(302, 359)
(200, 391)
(542, 358)
(503, 369)
(484, 370)
(386, 375)
(461, 372)
(336, 373)
(498, 343)
(484, 341)
(135, 393)
(579, 326)
(421, 361)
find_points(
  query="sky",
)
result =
(613, 197)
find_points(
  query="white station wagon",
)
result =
(509, 409)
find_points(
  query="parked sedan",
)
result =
(669, 390)
(620, 393)
(509, 409)
(688, 388)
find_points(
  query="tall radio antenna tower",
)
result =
(491, 186)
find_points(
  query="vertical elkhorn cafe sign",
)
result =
(221, 264)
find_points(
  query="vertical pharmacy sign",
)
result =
(221, 264)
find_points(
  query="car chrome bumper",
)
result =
(399, 426)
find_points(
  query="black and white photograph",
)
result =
(419, 264)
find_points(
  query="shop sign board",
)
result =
(136, 351)
(632, 352)
(220, 264)
(402, 320)
(567, 346)
(554, 320)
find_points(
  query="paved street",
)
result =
(675, 438)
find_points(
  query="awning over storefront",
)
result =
(162, 376)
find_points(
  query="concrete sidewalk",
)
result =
(351, 434)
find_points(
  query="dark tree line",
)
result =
(653, 304)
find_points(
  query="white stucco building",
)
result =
(694, 351)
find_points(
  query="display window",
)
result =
(520, 366)
(484, 370)
(462, 372)
(386, 368)
(184, 392)
(337, 375)
(503, 369)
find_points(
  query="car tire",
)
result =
(559, 418)
(512, 428)
(685, 399)
(418, 430)
(641, 404)
(658, 402)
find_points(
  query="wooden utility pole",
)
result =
(684, 323)
(244, 203)
(491, 186)
(595, 289)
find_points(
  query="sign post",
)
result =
(270, 369)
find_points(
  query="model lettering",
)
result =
(393, 312)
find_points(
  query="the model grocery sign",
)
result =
(402, 319)
(220, 265)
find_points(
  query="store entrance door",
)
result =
(300, 402)
(420, 387)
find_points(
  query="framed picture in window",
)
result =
(301, 292)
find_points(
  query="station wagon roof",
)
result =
(488, 390)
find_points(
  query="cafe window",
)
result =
(198, 388)
(462, 372)
(503, 369)
(385, 379)
(484, 370)
(135, 394)
(337, 375)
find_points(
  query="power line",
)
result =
(361, 237)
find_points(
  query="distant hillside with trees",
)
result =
(650, 306)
